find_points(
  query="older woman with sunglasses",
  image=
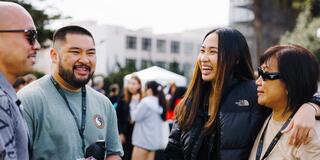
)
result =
(287, 78)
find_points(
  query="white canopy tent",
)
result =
(162, 76)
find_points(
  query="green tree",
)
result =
(304, 33)
(41, 20)
(117, 77)
(174, 67)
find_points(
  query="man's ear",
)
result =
(54, 56)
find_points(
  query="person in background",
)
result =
(219, 117)
(132, 96)
(114, 91)
(29, 78)
(98, 84)
(172, 89)
(18, 49)
(23, 81)
(19, 83)
(65, 117)
(148, 116)
(282, 88)
(174, 101)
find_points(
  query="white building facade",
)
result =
(140, 48)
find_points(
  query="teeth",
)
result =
(206, 67)
(82, 68)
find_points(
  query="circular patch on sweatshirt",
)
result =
(98, 121)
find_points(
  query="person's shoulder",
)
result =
(2, 93)
(146, 99)
(3, 97)
(149, 100)
(247, 83)
(34, 88)
(246, 86)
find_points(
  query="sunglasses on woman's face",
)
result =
(268, 76)
(31, 34)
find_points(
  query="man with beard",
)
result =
(64, 115)
(18, 47)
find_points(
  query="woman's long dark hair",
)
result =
(157, 90)
(234, 61)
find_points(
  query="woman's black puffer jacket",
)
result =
(239, 120)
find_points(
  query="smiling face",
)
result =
(76, 59)
(208, 57)
(271, 93)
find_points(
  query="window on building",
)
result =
(160, 64)
(161, 46)
(131, 64)
(175, 47)
(188, 48)
(131, 42)
(146, 44)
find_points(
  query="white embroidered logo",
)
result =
(242, 102)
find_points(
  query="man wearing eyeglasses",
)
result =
(18, 47)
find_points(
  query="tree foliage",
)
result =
(41, 20)
(304, 33)
(174, 67)
(117, 77)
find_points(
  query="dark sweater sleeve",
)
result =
(174, 149)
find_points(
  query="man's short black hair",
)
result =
(61, 33)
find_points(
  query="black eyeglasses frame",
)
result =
(268, 75)
(31, 34)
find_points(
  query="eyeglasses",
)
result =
(268, 76)
(30, 33)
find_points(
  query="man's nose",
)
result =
(36, 45)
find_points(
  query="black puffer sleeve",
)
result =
(174, 149)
